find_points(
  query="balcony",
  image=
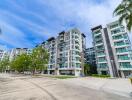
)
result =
(61, 60)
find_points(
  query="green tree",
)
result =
(90, 69)
(124, 11)
(86, 69)
(21, 63)
(4, 64)
(39, 59)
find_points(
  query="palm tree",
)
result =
(124, 11)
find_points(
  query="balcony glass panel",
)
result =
(120, 43)
(123, 57)
(100, 53)
(121, 50)
(117, 37)
(125, 65)
(115, 31)
(102, 65)
(101, 59)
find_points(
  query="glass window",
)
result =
(114, 26)
(120, 43)
(103, 65)
(121, 50)
(125, 65)
(101, 59)
(123, 57)
(100, 53)
(116, 31)
(117, 37)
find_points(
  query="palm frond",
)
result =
(119, 7)
(129, 24)
(122, 17)
(120, 12)
(124, 11)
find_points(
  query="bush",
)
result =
(102, 76)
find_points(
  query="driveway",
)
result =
(16, 87)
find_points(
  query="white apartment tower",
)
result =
(2, 53)
(113, 50)
(18, 51)
(66, 53)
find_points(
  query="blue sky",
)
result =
(25, 23)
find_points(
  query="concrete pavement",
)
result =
(120, 86)
(15, 87)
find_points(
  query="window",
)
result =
(101, 59)
(98, 37)
(98, 42)
(120, 43)
(73, 64)
(76, 37)
(100, 47)
(78, 59)
(121, 50)
(78, 65)
(77, 47)
(127, 42)
(125, 36)
(125, 65)
(97, 32)
(114, 26)
(77, 52)
(117, 37)
(103, 65)
(116, 31)
(100, 53)
(76, 42)
(123, 57)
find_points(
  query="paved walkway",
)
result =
(118, 86)
(15, 87)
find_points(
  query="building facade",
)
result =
(66, 53)
(18, 51)
(2, 53)
(90, 56)
(113, 50)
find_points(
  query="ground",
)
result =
(19, 87)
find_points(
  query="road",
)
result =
(18, 87)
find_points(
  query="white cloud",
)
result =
(84, 13)
(13, 36)
(40, 30)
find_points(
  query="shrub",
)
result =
(102, 76)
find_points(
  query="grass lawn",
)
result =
(55, 76)
(63, 76)
(100, 76)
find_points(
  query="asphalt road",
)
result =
(16, 87)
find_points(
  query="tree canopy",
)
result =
(39, 59)
(36, 61)
(124, 11)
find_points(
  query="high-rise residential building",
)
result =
(66, 53)
(112, 49)
(18, 51)
(90, 56)
(2, 52)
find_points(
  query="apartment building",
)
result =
(66, 53)
(112, 49)
(90, 56)
(2, 52)
(18, 51)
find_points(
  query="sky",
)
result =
(26, 23)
